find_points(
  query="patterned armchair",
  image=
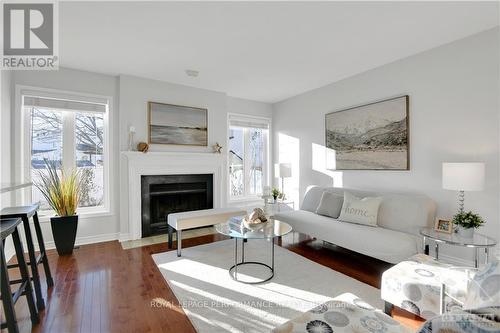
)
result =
(479, 293)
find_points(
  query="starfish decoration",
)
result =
(217, 148)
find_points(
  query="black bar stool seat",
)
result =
(25, 213)
(13, 212)
(8, 227)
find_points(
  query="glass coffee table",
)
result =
(476, 242)
(269, 230)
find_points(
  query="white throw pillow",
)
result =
(360, 210)
(330, 204)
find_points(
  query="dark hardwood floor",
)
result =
(103, 288)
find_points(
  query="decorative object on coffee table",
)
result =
(442, 225)
(477, 241)
(61, 189)
(373, 136)
(255, 218)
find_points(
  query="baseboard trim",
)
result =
(84, 240)
(123, 237)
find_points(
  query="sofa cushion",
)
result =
(360, 210)
(312, 198)
(330, 204)
(405, 212)
(385, 244)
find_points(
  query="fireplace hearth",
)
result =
(165, 194)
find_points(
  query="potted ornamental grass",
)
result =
(466, 222)
(61, 189)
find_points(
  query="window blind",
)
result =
(248, 122)
(63, 104)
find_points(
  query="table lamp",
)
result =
(283, 170)
(463, 177)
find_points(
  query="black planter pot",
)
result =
(64, 232)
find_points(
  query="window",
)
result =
(71, 134)
(248, 156)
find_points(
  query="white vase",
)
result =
(466, 233)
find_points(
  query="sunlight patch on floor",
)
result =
(281, 294)
(158, 239)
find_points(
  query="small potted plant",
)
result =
(275, 193)
(466, 223)
(62, 192)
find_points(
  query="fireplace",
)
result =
(165, 194)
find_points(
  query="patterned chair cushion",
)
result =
(415, 285)
(459, 322)
(483, 295)
(346, 313)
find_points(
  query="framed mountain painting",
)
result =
(370, 137)
(177, 125)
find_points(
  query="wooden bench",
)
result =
(196, 219)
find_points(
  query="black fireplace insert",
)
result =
(165, 194)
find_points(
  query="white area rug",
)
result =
(215, 303)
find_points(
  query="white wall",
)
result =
(91, 228)
(5, 133)
(129, 107)
(5, 146)
(454, 116)
(136, 92)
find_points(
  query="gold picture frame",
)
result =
(170, 124)
(442, 225)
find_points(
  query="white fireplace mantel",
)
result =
(136, 164)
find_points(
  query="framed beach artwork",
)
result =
(370, 137)
(177, 125)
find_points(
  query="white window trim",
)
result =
(266, 162)
(22, 157)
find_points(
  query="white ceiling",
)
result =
(259, 51)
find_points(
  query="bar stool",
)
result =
(25, 213)
(9, 227)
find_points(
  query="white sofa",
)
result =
(393, 240)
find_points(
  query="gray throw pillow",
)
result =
(330, 204)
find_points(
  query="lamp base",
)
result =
(461, 200)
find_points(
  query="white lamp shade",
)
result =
(283, 170)
(463, 176)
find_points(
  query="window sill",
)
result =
(44, 217)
